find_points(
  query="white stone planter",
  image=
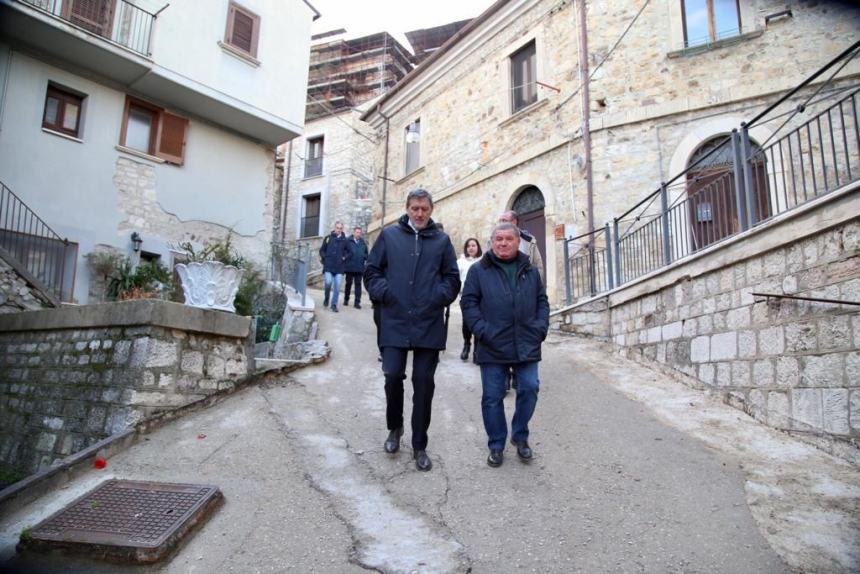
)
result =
(210, 284)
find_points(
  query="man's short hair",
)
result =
(357, 227)
(419, 193)
(512, 214)
(505, 226)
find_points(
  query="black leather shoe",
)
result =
(422, 461)
(464, 355)
(496, 458)
(392, 443)
(524, 451)
(357, 305)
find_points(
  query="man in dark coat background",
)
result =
(334, 253)
(505, 305)
(412, 274)
(355, 266)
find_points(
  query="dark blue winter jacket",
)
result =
(413, 276)
(334, 252)
(358, 249)
(510, 323)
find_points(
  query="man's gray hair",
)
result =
(419, 193)
(505, 226)
(512, 214)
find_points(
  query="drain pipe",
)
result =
(586, 119)
(285, 189)
(384, 166)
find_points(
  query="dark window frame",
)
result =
(309, 219)
(523, 94)
(314, 160)
(237, 10)
(63, 96)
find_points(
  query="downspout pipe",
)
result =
(586, 116)
(384, 165)
(285, 190)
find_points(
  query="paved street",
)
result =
(633, 472)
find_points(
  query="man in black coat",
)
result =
(504, 304)
(355, 266)
(412, 274)
(334, 253)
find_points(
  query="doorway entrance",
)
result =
(529, 204)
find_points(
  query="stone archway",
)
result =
(529, 204)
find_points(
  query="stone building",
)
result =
(574, 113)
(129, 127)
(330, 169)
(500, 107)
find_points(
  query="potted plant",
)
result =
(212, 276)
(145, 281)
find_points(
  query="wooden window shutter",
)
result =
(243, 28)
(93, 15)
(171, 138)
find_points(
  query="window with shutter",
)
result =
(243, 29)
(93, 15)
(523, 76)
(152, 130)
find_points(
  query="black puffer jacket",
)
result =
(510, 324)
(414, 277)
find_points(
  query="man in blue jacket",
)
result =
(412, 274)
(504, 304)
(355, 266)
(334, 253)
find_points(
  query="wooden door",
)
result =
(535, 223)
(93, 15)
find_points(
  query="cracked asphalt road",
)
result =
(632, 473)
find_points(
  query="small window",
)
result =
(412, 139)
(62, 111)
(154, 131)
(243, 29)
(311, 218)
(314, 157)
(523, 77)
(707, 21)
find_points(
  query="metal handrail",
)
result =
(32, 242)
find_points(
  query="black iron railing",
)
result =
(813, 151)
(117, 20)
(46, 256)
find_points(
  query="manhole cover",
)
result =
(126, 520)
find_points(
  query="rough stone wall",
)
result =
(16, 294)
(794, 365)
(63, 390)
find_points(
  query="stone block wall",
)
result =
(16, 294)
(792, 364)
(67, 382)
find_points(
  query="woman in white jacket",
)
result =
(471, 254)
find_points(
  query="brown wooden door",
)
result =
(535, 223)
(93, 15)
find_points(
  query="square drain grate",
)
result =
(130, 520)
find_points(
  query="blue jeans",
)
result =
(493, 379)
(329, 277)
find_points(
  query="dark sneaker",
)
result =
(392, 443)
(524, 451)
(358, 305)
(422, 461)
(496, 458)
(334, 308)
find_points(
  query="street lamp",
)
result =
(136, 241)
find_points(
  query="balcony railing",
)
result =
(313, 166)
(116, 20)
(44, 255)
(813, 151)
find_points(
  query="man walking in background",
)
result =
(355, 266)
(412, 274)
(334, 253)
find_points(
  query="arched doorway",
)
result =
(712, 200)
(529, 204)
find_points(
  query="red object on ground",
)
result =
(100, 463)
(201, 436)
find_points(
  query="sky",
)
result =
(363, 17)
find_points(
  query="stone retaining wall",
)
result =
(71, 377)
(16, 294)
(791, 364)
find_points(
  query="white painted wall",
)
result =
(186, 37)
(70, 184)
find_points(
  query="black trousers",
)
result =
(424, 363)
(352, 277)
(467, 334)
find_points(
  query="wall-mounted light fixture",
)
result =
(413, 133)
(136, 240)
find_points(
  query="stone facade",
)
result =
(16, 294)
(651, 106)
(343, 187)
(71, 377)
(792, 364)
